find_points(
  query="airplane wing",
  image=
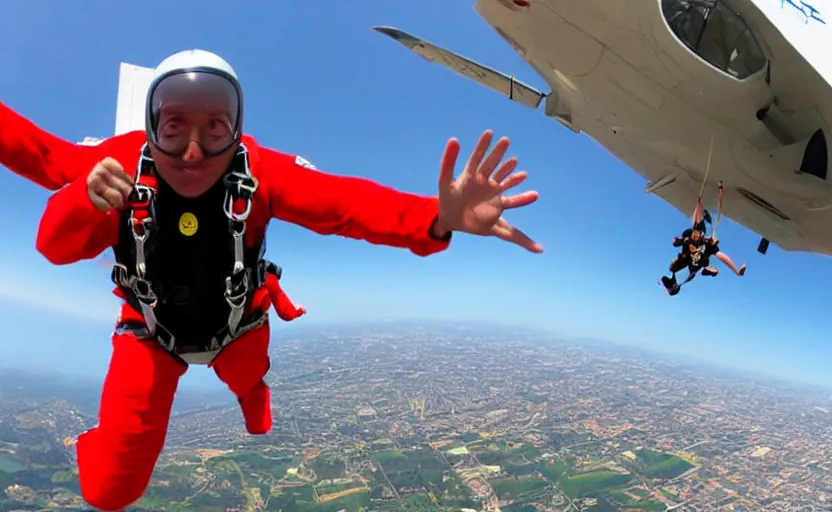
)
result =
(491, 78)
(674, 180)
(133, 83)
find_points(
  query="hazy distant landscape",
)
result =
(401, 416)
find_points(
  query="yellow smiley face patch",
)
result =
(188, 224)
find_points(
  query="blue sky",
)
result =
(318, 82)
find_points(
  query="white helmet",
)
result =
(200, 79)
(191, 59)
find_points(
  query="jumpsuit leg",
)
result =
(678, 263)
(117, 457)
(241, 365)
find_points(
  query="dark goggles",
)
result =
(198, 105)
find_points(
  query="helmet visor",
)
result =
(194, 106)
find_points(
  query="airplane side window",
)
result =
(728, 44)
(686, 20)
(715, 33)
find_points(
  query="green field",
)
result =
(375, 475)
(593, 483)
(658, 465)
(524, 487)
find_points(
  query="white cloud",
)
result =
(81, 305)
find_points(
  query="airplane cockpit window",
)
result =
(715, 33)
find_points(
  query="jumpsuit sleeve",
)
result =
(73, 229)
(39, 156)
(350, 207)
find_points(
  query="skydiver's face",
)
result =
(193, 138)
(192, 134)
(696, 236)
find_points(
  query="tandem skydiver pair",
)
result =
(697, 248)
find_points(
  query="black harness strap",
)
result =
(241, 282)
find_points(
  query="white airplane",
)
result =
(655, 81)
(133, 83)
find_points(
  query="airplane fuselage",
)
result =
(654, 81)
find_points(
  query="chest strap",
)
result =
(240, 187)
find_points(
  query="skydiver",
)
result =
(200, 186)
(693, 246)
(696, 252)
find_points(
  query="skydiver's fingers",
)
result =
(513, 180)
(522, 199)
(121, 179)
(120, 182)
(479, 152)
(114, 197)
(490, 163)
(505, 169)
(104, 196)
(108, 183)
(504, 231)
(99, 202)
(115, 169)
(446, 168)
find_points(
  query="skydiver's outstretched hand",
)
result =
(474, 202)
(108, 185)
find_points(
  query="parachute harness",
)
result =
(240, 187)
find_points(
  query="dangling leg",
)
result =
(708, 269)
(241, 365)
(678, 263)
(117, 457)
(692, 271)
(730, 264)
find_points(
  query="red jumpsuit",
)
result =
(117, 457)
(52, 162)
(41, 157)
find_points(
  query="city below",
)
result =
(439, 417)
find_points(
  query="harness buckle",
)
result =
(143, 291)
(139, 240)
(238, 230)
(119, 275)
(240, 185)
(236, 293)
(141, 229)
(228, 207)
(141, 197)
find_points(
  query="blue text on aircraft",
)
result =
(807, 10)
